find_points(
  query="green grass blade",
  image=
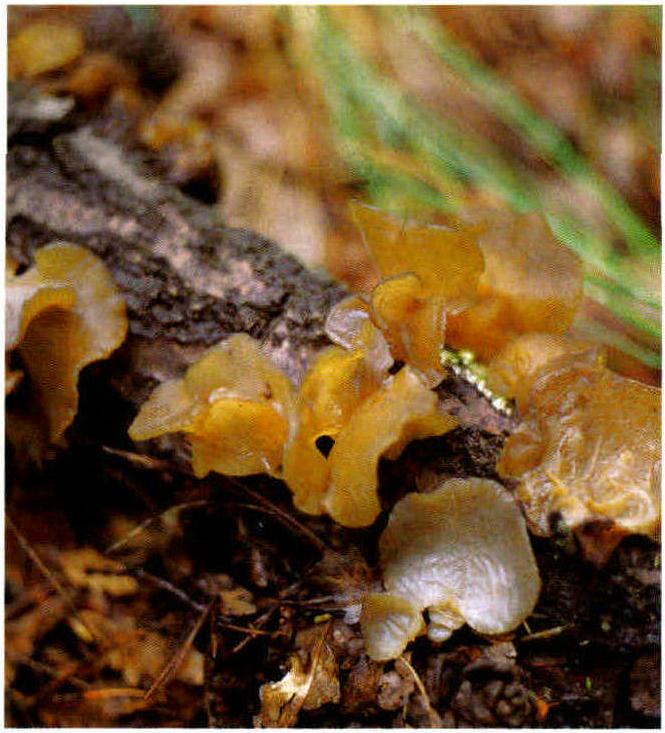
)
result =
(544, 136)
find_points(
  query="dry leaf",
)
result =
(87, 568)
(140, 654)
(325, 683)
(237, 602)
(282, 701)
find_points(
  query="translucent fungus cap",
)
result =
(63, 314)
(346, 320)
(463, 553)
(335, 385)
(514, 369)
(413, 323)
(234, 405)
(403, 409)
(388, 624)
(588, 448)
(448, 261)
(349, 325)
(531, 282)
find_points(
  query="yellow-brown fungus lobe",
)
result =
(414, 324)
(27, 295)
(63, 314)
(515, 368)
(588, 448)
(403, 409)
(448, 261)
(388, 624)
(43, 47)
(234, 406)
(531, 283)
(335, 385)
(463, 553)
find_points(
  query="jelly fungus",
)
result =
(413, 324)
(388, 624)
(531, 283)
(234, 406)
(588, 448)
(346, 320)
(402, 410)
(448, 261)
(335, 385)
(62, 314)
(428, 272)
(349, 325)
(461, 552)
(514, 369)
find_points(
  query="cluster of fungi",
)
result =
(586, 448)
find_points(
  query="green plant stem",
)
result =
(599, 332)
(545, 137)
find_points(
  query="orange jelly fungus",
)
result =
(337, 382)
(63, 314)
(402, 410)
(588, 448)
(234, 406)
(531, 283)
(413, 323)
(448, 261)
(462, 552)
(514, 369)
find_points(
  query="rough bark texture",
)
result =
(189, 281)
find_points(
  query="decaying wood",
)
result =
(189, 281)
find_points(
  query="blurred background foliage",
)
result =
(280, 115)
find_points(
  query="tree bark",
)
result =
(189, 281)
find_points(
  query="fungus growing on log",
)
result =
(414, 324)
(346, 320)
(402, 410)
(448, 261)
(349, 325)
(531, 283)
(461, 552)
(234, 406)
(337, 382)
(388, 624)
(514, 369)
(588, 448)
(61, 315)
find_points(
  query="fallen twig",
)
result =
(178, 658)
(30, 552)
